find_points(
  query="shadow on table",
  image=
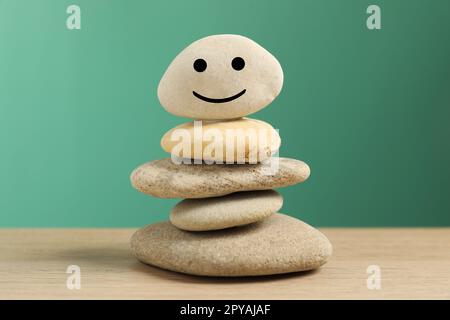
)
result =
(122, 260)
(185, 278)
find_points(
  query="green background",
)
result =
(369, 111)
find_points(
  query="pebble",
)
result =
(276, 245)
(224, 212)
(165, 179)
(220, 77)
(233, 141)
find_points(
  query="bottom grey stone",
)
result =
(275, 245)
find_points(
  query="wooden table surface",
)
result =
(414, 263)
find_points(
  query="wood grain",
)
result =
(415, 263)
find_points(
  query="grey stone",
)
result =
(278, 244)
(227, 211)
(165, 179)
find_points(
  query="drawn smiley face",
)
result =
(220, 77)
(200, 65)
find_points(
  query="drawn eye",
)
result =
(238, 63)
(200, 65)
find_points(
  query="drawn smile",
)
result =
(212, 100)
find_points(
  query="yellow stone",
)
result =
(241, 140)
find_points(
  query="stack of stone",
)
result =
(227, 224)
